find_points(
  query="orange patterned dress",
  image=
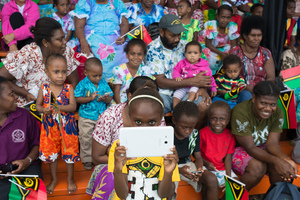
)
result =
(56, 139)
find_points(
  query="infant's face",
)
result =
(193, 54)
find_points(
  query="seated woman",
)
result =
(26, 68)
(257, 61)
(19, 137)
(99, 25)
(17, 18)
(257, 126)
(106, 132)
(146, 12)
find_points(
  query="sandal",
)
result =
(88, 165)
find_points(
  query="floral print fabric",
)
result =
(56, 140)
(191, 28)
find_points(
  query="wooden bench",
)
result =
(3, 54)
(185, 191)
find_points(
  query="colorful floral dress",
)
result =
(58, 133)
(102, 29)
(197, 14)
(191, 28)
(67, 24)
(122, 76)
(220, 41)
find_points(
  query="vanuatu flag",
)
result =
(220, 2)
(235, 190)
(141, 33)
(291, 77)
(32, 109)
(286, 102)
(32, 188)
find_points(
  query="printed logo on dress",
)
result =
(18, 136)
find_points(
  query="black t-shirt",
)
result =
(186, 147)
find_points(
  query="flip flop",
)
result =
(88, 165)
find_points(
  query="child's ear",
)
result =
(85, 72)
(189, 9)
(46, 71)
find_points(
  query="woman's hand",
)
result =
(184, 171)
(170, 161)
(22, 165)
(120, 40)
(120, 157)
(30, 97)
(8, 38)
(85, 48)
(13, 48)
(284, 169)
(47, 111)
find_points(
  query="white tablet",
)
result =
(147, 141)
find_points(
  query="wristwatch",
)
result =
(30, 160)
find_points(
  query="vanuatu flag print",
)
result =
(141, 33)
(286, 102)
(235, 190)
(32, 188)
(291, 77)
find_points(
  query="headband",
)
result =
(146, 96)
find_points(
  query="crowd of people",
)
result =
(205, 64)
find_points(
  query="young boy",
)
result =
(187, 143)
(93, 93)
(257, 9)
(230, 84)
(217, 142)
(291, 25)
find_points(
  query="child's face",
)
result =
(258, 11)
(63, 7)
(224, 18)
(94, 73)
(184, 126)
(232, 71)
(183, 8)
(193, 54)
(290, 9)
(145, 114)
(218, 119)
(135, 55)
(57, 71)
(8, 99)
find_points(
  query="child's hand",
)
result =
(212, 94)
(210, 166)
(105, 98)
(170, 161)
(120, 157)
(198, 175)
(184, 171)
(95, 95)
(178, 79)
(47, 111)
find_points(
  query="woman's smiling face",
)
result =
(264, 106)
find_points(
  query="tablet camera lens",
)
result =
(166, 142)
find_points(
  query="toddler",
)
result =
(65, 19)
(191, 25)
(230, 84)
(123, 75)
(190, 67)
(143, 177)
(93, 93)
(58, 132)
(291, 25)
(187, 143)
(217, 143)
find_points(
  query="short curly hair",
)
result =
(186, 108)
(251, 22)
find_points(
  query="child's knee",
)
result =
(210, 180)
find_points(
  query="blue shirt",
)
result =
(138, 16)
(92, 109)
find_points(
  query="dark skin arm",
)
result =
(24, 163)
(69, 35)
(292, 42)
(222, 92)
(212, 4)
(73, 78)
(99, 153)
(124, 28)
(208, 44)
(282, 167)
(195, 37)
(199, 164)
(79, 31)
(116, 90)
(87, 99)
(199, 81)
(227, 162)
(233, 43)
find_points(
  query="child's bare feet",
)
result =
(50, 187)
(72, 187)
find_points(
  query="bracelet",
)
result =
(30, 159)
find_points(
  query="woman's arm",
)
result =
(196, 6)
(69, 35)
(233, 43)
(124, 28)
(270, 70)
(212, 4)
(208, 44)
(73, 78)
(195, 37)
(99, 153)
(116, 90)
(79, 31)
(71, 107)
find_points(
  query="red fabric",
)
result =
(290, 31)
(237, 19)
(214, 147)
